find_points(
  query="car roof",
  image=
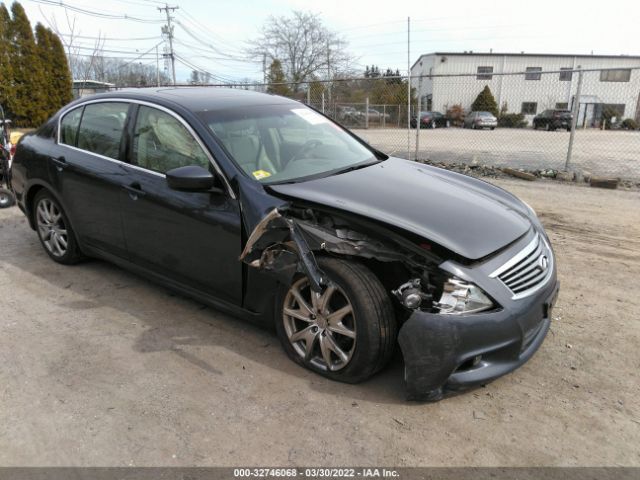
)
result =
(197, 98)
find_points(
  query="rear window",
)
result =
(69, 127)
(101, 128)
(485, 114)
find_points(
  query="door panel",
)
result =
(192, 237)
(89, 182)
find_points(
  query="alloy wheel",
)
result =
(51, 227)
(321, 327)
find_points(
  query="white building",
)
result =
(530, 93)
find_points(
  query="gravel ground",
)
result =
(101, 367)
(612, 153)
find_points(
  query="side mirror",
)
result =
(192, 178)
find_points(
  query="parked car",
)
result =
(268, 210)
(430, 120)
(553, 119)
(480, 120)
(347, 113)
(375, 115)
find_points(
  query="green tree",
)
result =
(485, 102)
(62, 73)
(6, 72)
(43, 42)
(277, 79)
(27, 104)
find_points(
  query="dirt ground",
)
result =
(101, 367)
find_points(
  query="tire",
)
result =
(371, 324)
(6, 198)
(54, 230)
(493, 128)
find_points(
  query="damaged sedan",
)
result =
(266, 209)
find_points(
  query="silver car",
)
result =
(480, 120)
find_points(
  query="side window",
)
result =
(69, 127)
(101, 128)
(161, 142)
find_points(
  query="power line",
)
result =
(98, 14)
(105, 38)
(140, 56)
(203, 42)
(204, 29)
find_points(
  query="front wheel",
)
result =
(346, 333)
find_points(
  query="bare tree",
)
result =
(82, 66)
(305, 47)
(93, 65)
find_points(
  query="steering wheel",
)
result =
(308, 145)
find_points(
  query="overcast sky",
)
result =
(375, 30)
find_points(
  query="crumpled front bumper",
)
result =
(444, 353)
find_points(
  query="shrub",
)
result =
(485, 102)
(629, 124)
(455, 115)
(512, 120)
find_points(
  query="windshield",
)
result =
(283, 143)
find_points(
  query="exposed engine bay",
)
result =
(285, 243)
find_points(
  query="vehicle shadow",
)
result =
(173, 323)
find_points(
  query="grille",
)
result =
(528, 270)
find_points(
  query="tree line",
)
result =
(35, 80)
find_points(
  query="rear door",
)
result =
(86, 165)
(191, 237)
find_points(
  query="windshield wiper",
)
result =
(357, 166)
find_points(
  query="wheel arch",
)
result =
(30, 197)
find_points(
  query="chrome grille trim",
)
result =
(523, 274)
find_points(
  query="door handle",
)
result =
(60, 163)
(135, 190)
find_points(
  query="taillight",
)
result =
(12, 152)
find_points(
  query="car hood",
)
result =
(467, 216)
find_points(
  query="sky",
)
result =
(214, 35)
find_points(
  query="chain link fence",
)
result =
(576, 120)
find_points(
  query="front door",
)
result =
(191, 237)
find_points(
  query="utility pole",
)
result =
(157, 67)
(168, 30)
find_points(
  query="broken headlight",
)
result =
(459, 297)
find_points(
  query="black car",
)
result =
(264, 208)
(430, 120)
(553, 120)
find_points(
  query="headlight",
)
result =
(459, 297)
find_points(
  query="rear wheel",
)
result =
(54, 230)
(347, 332)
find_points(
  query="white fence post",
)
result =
(574, 120)
(366, 113)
